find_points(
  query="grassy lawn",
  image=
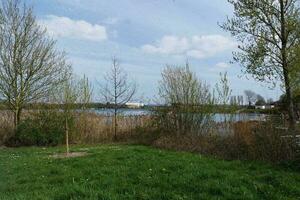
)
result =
(137, 172)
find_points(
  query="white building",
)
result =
(135, 105)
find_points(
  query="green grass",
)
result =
(137, 172)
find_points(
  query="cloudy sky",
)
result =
(145, 35)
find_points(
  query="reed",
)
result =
(93, 128)
(88, 128)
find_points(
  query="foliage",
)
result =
(188, 102)
(223, 90)
(268, 32)
(137, 172)
(45, 128)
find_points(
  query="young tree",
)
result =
(69, 95)
(29, 63)
(188, 100)
(223, 90)
(85, 98)
(117, 90)
(269, 34)
(86, 92)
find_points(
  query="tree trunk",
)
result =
(291, 112)
(115, 125)
(67, 136)
(17, 117)
(290, 103)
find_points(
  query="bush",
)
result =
(46, 128)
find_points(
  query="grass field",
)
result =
(137, 172)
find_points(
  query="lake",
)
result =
(217, 117)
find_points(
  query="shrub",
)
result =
(46, 128)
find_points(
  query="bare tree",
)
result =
(117, 90)
(29, 63)
(269, 34)
(251, 97)
(240, 99)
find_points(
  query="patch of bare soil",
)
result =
(69, 155)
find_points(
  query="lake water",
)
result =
(217, 117)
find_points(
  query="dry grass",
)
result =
(246, 141)
(6, 125)
(89, 128)
(93, 128)
(250, 140)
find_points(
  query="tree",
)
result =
(86, 92)
(29, 63)
(260, 100)
(240, 99)
(223, 90)
(269, 34)
(270, 101)
(73, 92)
(188, 101)
(251, 97)
(85, 98)
(117, 90)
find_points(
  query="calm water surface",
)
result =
(216, 117)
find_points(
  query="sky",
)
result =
(145, 36)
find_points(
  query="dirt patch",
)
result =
(70, 155)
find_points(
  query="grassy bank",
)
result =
(137, 172)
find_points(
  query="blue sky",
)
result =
(145, 35)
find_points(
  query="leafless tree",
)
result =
(30, 65)
(117, 90)
(251, 97)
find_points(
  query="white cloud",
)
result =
(198, 47)
(222, 65)
(168, 45)
(76, 29)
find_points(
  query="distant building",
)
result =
(135, 105)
